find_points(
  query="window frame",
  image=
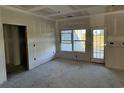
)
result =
(72, 40)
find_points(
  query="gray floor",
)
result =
(67, 73)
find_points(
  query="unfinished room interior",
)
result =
(61, 46)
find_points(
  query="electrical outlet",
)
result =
(111, 43)
(34, 58)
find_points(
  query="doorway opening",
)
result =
(16, 52)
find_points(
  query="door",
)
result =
(98, 42)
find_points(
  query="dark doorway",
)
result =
(15, 38)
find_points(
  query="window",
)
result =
(73, 40)
(79, 38)
(66, 40)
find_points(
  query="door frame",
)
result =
(26, 40)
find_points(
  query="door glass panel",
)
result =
(98, 43)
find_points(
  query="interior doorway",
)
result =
(98, 45)
(15, 39)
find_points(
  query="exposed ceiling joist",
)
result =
(74, 11)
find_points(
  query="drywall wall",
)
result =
(7, 41)
(113, 24)
(78, 23)
(115, 31)
(2, 55)
(16, 47)
(40, 32)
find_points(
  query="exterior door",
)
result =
(98, 42)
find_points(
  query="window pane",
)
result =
(79, 46)
(66, 47)
(79, 34)
(66, 42)
(65, 36)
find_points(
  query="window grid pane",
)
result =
(66, 47)
(79, 34)
(79, 46)
(66, 36)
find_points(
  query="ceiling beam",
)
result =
(38, 8)
(74, 11)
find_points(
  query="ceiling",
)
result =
(58, 12)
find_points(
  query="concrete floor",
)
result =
(67, 73)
